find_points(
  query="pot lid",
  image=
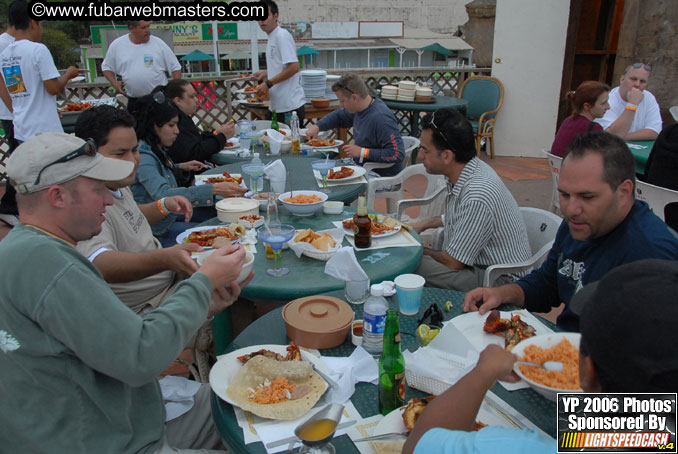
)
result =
(318, 314)
(236, 204)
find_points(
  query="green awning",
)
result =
(305, 50)
(197, 55)
(435, 47)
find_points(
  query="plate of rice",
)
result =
(563, 347)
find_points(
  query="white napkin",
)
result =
(300, 247)
(359, 367)
(344, 266)
(275, 140)
(270, 431)
(177, 392)
(449, 367)
(276, 170)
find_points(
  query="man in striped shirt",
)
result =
(483, 225)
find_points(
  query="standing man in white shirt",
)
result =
(6, 116)
(634, 112)
(142, 61)
(31, 80)
(281, 78)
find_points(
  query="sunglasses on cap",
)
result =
(159, 97)
(647, 68)
(89, 148)
(342, 85)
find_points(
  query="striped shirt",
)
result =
(483, 225)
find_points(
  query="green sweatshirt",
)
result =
(78, 368)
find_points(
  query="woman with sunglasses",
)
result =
(588, 101)
(157, 130)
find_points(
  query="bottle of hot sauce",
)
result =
(362, 225)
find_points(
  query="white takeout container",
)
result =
(230, 209)
(333, 207)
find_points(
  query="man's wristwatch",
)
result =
(268, 83)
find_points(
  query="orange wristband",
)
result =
(631, 107)
(162, 210)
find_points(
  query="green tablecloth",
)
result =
(307, 275)
(301, 177)
(224, 159)
(640, 154)
(270, 329)
(416, 107)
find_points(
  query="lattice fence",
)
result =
(216, 95)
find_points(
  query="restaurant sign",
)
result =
(183, 32)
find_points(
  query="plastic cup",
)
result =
(357, 292)
(409, 288)
(278, 184)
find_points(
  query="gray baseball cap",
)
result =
(55, 157)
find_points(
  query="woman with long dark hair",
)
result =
(157, 130)
(588, 101)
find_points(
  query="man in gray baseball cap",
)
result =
(71, 352)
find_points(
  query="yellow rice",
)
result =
(563, 352)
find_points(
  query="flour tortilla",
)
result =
(259, 368)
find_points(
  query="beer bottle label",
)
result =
(400, 386)
(396, 338)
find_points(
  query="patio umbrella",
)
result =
(435, 47)
(306, 50)
(197, 55)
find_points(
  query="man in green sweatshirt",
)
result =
(78, 369)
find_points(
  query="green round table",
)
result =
(301, 176)
(224, 159)
(307, 276)
(270, 329)
(415, 108)
(641, 151)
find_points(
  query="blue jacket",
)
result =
(375, 128)
(155, 181)
(571, 264)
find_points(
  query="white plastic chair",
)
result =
(542, 227)
(411, 144)
(655, 196)
(554, 162)
(674, 113)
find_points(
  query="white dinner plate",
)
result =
(77, 79)
(351, 233)
(228, 365)
(358, 171)
(471, 325)
(243, 92)
(183, 236)
(337, 143)
(200, 179)
(235, 141)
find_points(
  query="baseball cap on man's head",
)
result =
(55, 157)
(628, 323)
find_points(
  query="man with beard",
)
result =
(604, 227)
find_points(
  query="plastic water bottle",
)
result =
(245, 129)
(374, 314)
(255, 159)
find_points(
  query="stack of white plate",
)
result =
(389, 92)
(331, 80)
(406, 90)
(423, 93)
(313, 83)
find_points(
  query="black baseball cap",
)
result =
(628, 322)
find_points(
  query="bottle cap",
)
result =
(377, 290)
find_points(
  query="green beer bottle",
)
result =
(391, 367)
(274, 121)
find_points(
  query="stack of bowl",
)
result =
(330, 80)
(423, 93)
(389, 92)
(406, 90)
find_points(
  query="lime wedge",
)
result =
(426, 333)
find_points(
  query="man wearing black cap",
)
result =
(604, 227)
(618, 353)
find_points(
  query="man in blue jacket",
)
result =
(604, 227)
(376, 134)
